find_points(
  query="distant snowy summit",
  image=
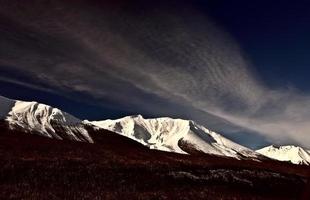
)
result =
(166, 134)
(42, 119)
(175, 135)
(293, 154)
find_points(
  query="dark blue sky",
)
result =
(275, 36)
(107, 59)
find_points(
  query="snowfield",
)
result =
(42, 119)
(166, 134)
(294, 154)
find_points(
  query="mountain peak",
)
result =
(174, 135)
(136, 116)
(291, 153)
(42, 119)
(164, 133)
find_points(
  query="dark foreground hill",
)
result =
(35, 167)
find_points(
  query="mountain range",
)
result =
(165, 134)
(46, 153)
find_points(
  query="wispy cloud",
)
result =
(28, 85)
(149, 58)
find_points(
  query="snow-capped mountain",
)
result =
(294, 154)
(175, 135)
(166, 134)
(42, 119)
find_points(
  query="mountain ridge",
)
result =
(163, 133)
(290, 153)
(166, 133)
(42, 119)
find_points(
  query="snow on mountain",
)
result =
(174, 135)
(42, 119)
(166, 134)
(294, 154)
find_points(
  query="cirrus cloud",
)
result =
(163, 57)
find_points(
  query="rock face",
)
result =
(293, 154)
(175, 135)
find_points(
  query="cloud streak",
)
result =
(147, 56)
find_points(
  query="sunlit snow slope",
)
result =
(167, 134)
(294, 154)
(42, 119)
(175, 135)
